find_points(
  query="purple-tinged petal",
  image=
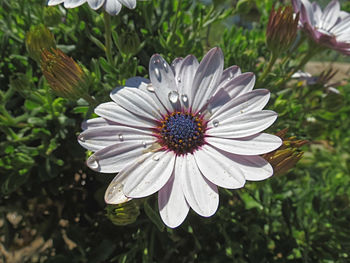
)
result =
(252, 145)
(330, 15)
(73, 3)
(173, 207)
(95, 139)
(201, 194)
(112, 7)
(240, 126)
(54, 2)
(96, 122)
(114, 193)
(219, 169)
(207, 78)
(131, 4)
(114, 158)
(150, 175)
(95, 4)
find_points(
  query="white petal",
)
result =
(136, 101)
(231, 89)
(342, 27)
(163, 82)
(219, 169)
(330, 15)
(137, 82)
(252, 145)
(96, 122)
(114, 158)
(240, 126)
(172, 204)
(207, 78)
(201, 194)
(112, 7)
(95, 4)
(73, 3)
(117, 114)
(252, 101)
(131, 4)
(54, 2)
(184, 74)
(114, 193)
(229, 74)
(255, 168)
(95, 139)
(149, 176)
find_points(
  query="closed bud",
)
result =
(286, 157)
(128, 43)
(333, 100)
(38, 39)
(123, 214)
(65, 77)
(281, 29)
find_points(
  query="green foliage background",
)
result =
(302, 216)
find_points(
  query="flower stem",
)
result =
(267, 70)
(108, 37)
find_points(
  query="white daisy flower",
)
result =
(112, 7)
(191, 128)
(330, 27)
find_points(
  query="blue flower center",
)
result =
(181, 132)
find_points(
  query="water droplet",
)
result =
(93, 162)
(184, 98)
(121, 138)
(156, 61)
(144, 144)
(82, 138)
(178, 79)
(157, 73)
(173, 96)
(166, 68)
(216, 123)
(155, 157)
(112, 191)
(150, 87)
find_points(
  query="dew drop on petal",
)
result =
(157, 73)
(121, 138)
(93, 162)
(155, 157)
(178, 79)
(144, 144)
(112, 192)
(150, 87)
(173, 96)
(156, 61)
(215, 123)
(81, 138)
(166, 68)
(184, 98)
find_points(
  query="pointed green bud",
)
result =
(38, 39)
(128, 43)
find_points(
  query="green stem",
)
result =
(267, 70)
(108, 37)
(302, 63)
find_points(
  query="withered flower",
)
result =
(66, 78)
(285, 157)
(281, 29)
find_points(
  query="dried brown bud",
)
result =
(281, 29)
(286, 157)
(66, 78)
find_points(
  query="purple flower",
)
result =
(330, 28)
(191, 128)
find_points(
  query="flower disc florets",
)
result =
(181, 132)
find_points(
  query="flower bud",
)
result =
(281, 29)
(38, 39)
(286, 157)
(66, 78)
(128, 43)
(52, 16)
(123, 214)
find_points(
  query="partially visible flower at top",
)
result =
(287, 156)
(281, 29)
(39, 38)
(65, 77)
(112, 7)
(193, 127)
(330, 28)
